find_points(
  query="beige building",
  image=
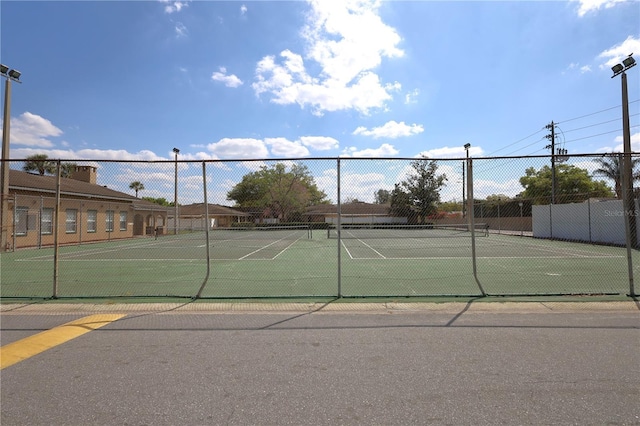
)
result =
(193, 217)
(88, 212)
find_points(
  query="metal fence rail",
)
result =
(319, 227)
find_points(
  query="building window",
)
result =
(92, 219)
(109, 221)
(22, 220)
(46, 221)
(123, 221)
(72, 221)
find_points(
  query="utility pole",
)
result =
(558, 155)
(552, 147)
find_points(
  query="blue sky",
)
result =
(241, 80)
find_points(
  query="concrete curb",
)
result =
(387, 307)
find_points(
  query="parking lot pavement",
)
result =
(308, 364)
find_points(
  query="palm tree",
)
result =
(67, 169)
(610, 167)
(39, 163)
(136, 186)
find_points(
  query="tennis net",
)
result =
(261, 232)
(374, 231)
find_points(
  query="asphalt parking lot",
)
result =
(315, 364)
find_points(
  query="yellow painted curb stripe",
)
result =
(20, 350)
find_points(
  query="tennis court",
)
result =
(305, 262)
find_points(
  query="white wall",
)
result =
(601, 221)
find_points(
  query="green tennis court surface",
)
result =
(299, 263)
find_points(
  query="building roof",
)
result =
(214, 210)
(350, 208)
(29, 182)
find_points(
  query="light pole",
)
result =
(9, 75)
(176, 151)
(466, 148)
(619, 69)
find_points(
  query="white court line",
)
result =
(365, 244)
(90, 251)
(262, 248)
(487, 257)
(374, 250)
(570, 253)
(285, 249)
(346, 249)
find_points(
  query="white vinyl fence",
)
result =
(591, 221)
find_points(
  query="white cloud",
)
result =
(452, 152)
(320, 143)
(181, 30)
(32, 130)
(391, 130)
(239, 148)
(410, 97)
(617, 53)
(228, 80)
(362, 186)
(347, 40)
(243, 9)
(593, 5)
(635, 143)
(281, 147)
(173, 6)
(575, 65)
(385, 150)
(484, 188)
(89, 154)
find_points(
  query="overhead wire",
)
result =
(563, 132)
(518, 141)
(598, 124)
(594, 113)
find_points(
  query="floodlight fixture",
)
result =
(15, 74)
(628, 62)
(617, 69)
(176, 150)
(467, 146)
(4, 69)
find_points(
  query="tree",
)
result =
(67, 169)
(279, 192)
(136, 186)
(420, 191)
(451, 206)
(382, 196)
(39, 163)
(43, 165)
(496, 198)
(351, 200)
(160, 201)
(611, 167)
(573, 184)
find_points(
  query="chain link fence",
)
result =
(320, 227)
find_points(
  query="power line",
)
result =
(594, 113)
(600, 134)
(526, 137)
(567, 131)
(597, 124)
